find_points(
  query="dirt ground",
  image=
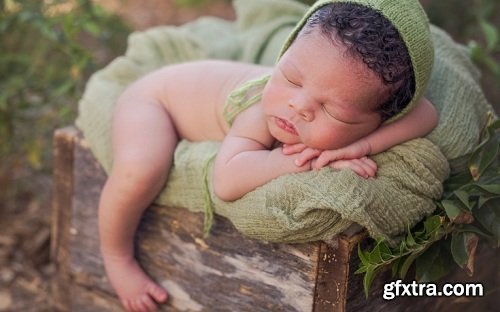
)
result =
(25, 268)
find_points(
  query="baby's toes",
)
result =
(138, 306)
(148, 303)
(127, 304)
(158, 293)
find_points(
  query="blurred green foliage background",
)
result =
(49, 48)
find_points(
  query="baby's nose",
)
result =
(302, 108)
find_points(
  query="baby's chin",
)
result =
(285, 138)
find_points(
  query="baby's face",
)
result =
(320, 97)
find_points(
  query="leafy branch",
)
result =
(469, 210)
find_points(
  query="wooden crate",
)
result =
(225, 272)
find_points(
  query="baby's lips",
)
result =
(286, 125)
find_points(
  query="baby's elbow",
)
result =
(433, 118)
(223, 189)
(432, 115)
(224, 193)
(436, 117)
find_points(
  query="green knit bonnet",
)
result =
(408, 17)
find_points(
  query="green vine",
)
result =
(468, 211)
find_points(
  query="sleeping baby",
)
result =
(346, 86)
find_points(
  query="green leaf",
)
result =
(361, 269)
(425, 262)
(402, 247)
(368, 279)
(477, 53)
(451, 208)
(489, 217)
(490, 33)
(362, 256)
(494, 124)
(407, 262)
(485, 153)
(459, 248)
(473, 229)
(483, 157)
(489, 188)
(385, 251)
(490, 153)
(456, 181)
(92, 28)
(484, 199)
(463, 196)
(410, 241)
(457, 212)
(432, 224)
(395, 267)
(436, 264)
(374, 256)
(463, 250)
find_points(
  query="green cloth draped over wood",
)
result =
(312, 205)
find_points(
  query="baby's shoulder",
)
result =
(230, 73)
(221, 75)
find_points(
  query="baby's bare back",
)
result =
(194, 94)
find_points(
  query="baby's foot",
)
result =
(137, 291)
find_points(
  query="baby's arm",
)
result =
(417, 123)
(245, 161)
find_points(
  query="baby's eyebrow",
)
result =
(287, 63)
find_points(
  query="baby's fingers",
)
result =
(307, 155)
(350, 164)
(289, 149)
(371, 164)
(360, 167)
(325, 158)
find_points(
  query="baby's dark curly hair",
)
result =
(370, 37)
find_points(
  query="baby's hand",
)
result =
(307, 154)
(281, 157)
(352, 156)
(356, 150)
(364, 166)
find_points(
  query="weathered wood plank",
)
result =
(334, 270)
(85, 299)
(226, 267)
(63, 147)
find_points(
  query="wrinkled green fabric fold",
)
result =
(317, 205)
(312, 205)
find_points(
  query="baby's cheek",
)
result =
(328, 140)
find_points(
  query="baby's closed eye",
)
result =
(328, 111)
(290, 79)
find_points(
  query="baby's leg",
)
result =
(144, 139)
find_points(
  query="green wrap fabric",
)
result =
(312, 205)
